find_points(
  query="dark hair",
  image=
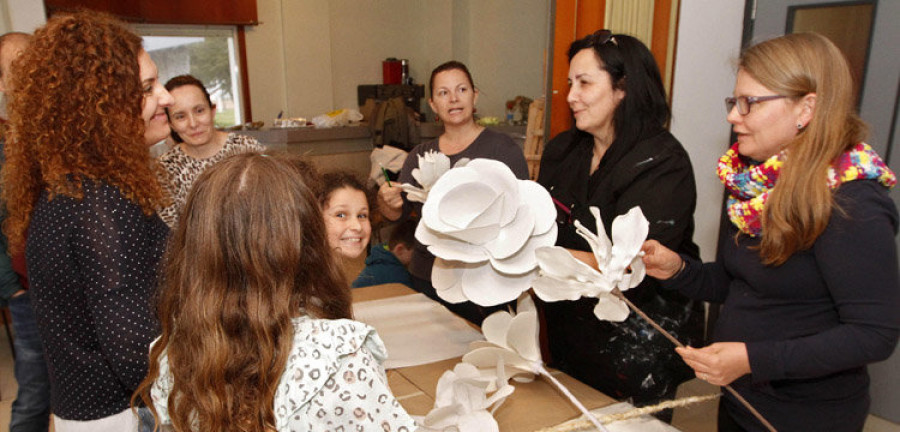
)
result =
(643, 111)
(181, 81)
(335, 180)
(450, 65)
(403, 233)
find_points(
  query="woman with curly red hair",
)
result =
(79, 179)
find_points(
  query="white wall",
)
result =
(307, 56)
(21, 15)
(709, 39)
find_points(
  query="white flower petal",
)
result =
(525, 259)
(633, 279)
(610, 308)
(486, 287)
(463, 203)
(557, 262)
(541, 205)
(483, 358)
(629, 232)
(475, 236)
(478, 421)
(495, 327)
(459, 177)
(414, 193)
(448, 248)
(522, 336)
(446, 277)
(550, 289)
(513, 236)
(501, 178)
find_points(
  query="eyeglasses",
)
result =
(744, 102)
(601, 37)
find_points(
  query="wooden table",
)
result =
(533, 405)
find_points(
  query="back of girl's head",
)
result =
(186, 80)
(335, 180)
(249, 254)
(632, 68)
(251, 224)
(450, 65)
(75, 113)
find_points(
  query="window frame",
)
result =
(236, 32)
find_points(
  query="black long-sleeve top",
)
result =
(812, 324)
(628, 359)
(92, 267)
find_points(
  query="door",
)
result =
(879, 69)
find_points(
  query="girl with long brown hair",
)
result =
(78, 178)
(808, 276)
(254, 310)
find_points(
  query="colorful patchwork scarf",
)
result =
(749, 185)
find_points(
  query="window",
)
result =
(209, 53)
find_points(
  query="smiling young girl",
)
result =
(345, 207)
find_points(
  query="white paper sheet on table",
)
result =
(416, 329)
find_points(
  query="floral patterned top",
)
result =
(180, 171)
(333, 381)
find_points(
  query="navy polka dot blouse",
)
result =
(93, 266)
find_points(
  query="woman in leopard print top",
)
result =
(200, 145)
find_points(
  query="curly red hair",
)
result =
(75, 116)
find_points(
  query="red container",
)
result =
(392, 71)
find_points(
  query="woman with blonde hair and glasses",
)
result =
(86, 103)
(808, 273)
(255, 315)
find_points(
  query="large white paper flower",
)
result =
(513, 338)
(432, 165)
(484, 226)
(565, 278)
(465, 400)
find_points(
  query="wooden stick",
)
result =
(669, 336)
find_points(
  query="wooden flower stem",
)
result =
(669, 336)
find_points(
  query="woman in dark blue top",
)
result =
(807, 272)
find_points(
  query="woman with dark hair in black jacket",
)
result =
(620, 155)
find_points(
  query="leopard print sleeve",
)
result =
(334, 381)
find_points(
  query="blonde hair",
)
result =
(801, 204)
